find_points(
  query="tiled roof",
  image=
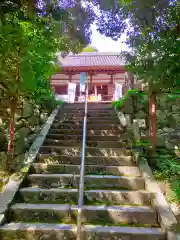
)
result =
(93, 59)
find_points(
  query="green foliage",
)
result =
(29, 43)
(156, 51)
(169, 164)
(89, 48)
(118, 104)
(173, 97)
(26, 51)
(167, 170)
(59, 102)
(143, 143)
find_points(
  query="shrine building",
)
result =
(105, 73)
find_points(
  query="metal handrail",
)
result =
(81, 182)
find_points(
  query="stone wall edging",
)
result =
(11, 188)
(166, 217)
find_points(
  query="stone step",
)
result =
(37, 231)
(95, 151)
(122, 233)
(123, 160)
(122, 137)
(90, 132)
(89, 169)
(91, 108)
(98, 110)
(81, 108)
(89, 121)
(80, 117)
(106, 144)
(65, 143)
(67, 151)
(90, 151)
(95, 106)
(90, 105)
(89, 114)
(102, 120)
(90, 181)
(77, 143)
(89, 117)
(77, 131)
(89, 126)
(91, 197)
(66, 213)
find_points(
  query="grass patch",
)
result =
(167, 172)
(4, 177)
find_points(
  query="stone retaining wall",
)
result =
(168, 117)
(29, 119)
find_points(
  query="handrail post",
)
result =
(81, 182)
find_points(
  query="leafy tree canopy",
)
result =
(151, 27)
(89, 48)
(156, 52)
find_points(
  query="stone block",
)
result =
(20, 124)
(140, 115)
(122, 119)
(22, 133)
(161, 115)
(19, 159)
(168, 130)
(21, 142)
(169, 145)
(27, 110)
(175, 108)
(128, 109)
(33, 120)
(43, 118)
(160, 141)
(176, 117)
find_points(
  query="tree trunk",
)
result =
(131, 80)
(152, 122)
(10, 154)
(13, 106)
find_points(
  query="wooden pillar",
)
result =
(123, 90)
(95, 90)
(152, 121)
(111, 87)
(90, 78)
(111, 81)
(70, 78)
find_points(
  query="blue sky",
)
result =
(105, 44)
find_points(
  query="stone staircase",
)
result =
(117, 206)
